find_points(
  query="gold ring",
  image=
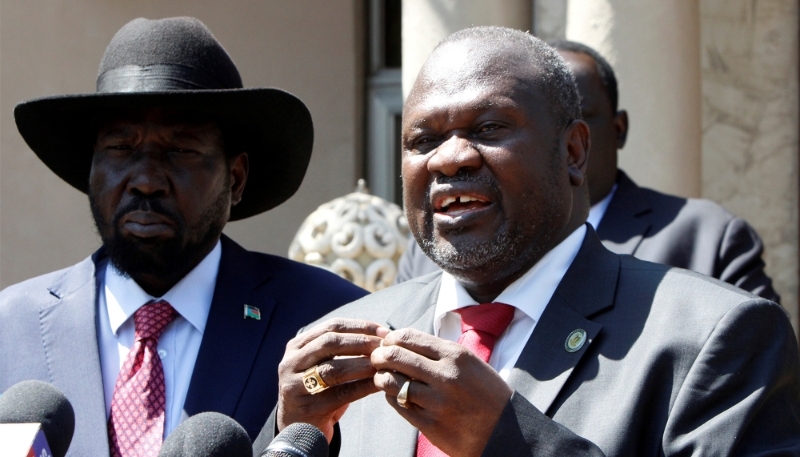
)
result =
(313, 381)
(402, 397)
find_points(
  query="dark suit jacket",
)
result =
(675, 364)
(694, 234)
(48, 332)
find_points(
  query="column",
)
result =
(427, 22)
(653, 47)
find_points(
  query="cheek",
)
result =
(415, 181)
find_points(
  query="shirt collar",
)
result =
(598, 210)
(190, 297)
(530, 293)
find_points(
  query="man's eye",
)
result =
(423, 143)
(486, 128)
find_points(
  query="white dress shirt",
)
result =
(191, 297)
(529, 295)
(598, 210)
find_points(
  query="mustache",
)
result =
(149, 204)
(465, 176)
(462, 176)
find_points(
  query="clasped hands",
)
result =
(455, 398)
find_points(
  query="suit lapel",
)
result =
(379, 426)
(74, 367)
(418, 312)
(625, 223)
(587, 288)
(221, 370)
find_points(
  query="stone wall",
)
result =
(749, 55)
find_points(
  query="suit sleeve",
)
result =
(741, 395)
(524, 430)
(739, 260)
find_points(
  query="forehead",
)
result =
(463, 77)
(153, 116)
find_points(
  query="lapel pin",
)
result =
(575, 340)
(252, 312)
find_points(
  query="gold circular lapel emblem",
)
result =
(575, 340)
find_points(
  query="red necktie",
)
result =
(480, 327)
(136, 425)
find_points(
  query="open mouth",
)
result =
(459, 204)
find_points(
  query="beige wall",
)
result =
(310, 48)
(749, 52)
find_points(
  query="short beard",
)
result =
(507, 250)
(171, 259)
(502, 250)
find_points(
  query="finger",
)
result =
(325, 408)
(402, 360)
(340, 371)
(418, 394)
(338, 325)
(419, 342)
(333, 398)
(330, 345)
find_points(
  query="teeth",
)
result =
(448, 201)
(459, 198)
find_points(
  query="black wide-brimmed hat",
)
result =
(177, 63)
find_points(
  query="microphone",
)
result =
(298, 440)
(207, 434)
(41, 403)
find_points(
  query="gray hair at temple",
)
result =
(553, 77)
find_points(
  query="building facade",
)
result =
(711, 87)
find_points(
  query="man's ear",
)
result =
(621, 127)
(240, 167)
(578, 143)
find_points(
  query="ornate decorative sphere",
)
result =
(360, 237)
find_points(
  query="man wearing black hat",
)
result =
(170, 317)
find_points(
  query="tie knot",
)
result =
(491, 318)
(152, 318)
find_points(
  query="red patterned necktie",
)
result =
(136, 425)
(480, 327)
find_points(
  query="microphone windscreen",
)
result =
(40, 402)
(207, 434)
(298, 440)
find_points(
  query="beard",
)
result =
(170, 259)
(512, 246)
(507, 246)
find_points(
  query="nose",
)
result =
(454, 155)
(148, 175)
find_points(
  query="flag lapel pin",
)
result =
(252, 312)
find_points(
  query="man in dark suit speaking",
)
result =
(170, 317)
(695, 234)
(535, 339)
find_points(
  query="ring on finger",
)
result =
(402, 397)
(313, 381)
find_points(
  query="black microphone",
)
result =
(42, 403)
(298, 440)
(207, 435)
